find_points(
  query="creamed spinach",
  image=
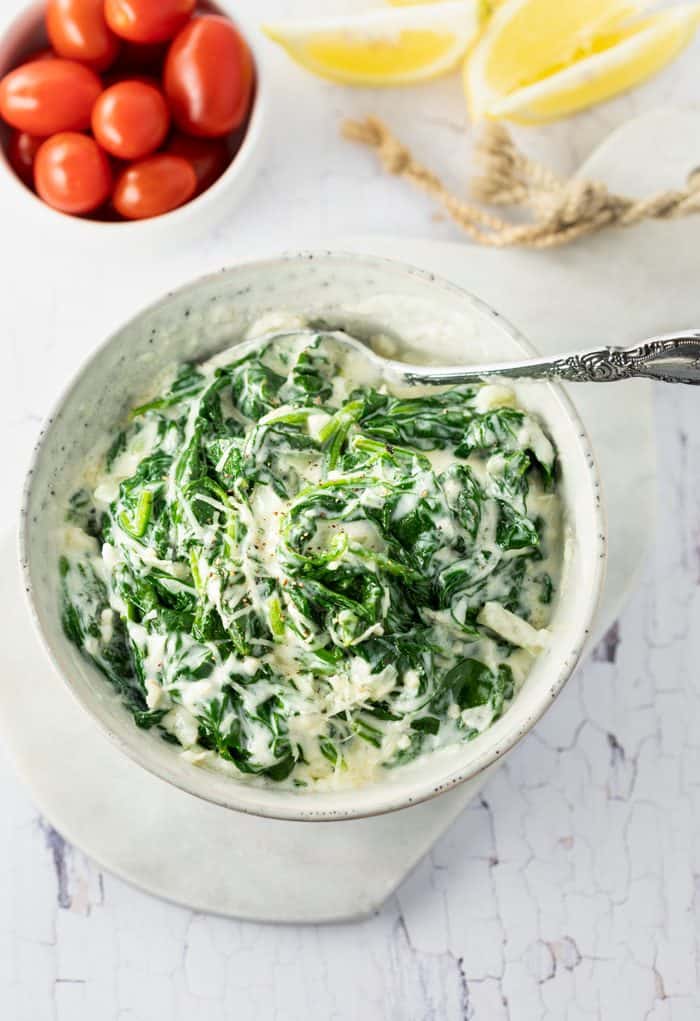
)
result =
(295, 573)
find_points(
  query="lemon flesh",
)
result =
(386, 47)
(526, 40)
(618, 62)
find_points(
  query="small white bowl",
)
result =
(359, 293)
(26, 34)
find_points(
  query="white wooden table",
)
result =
(516, 914)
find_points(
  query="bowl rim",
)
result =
(236, 171)
(300, 807)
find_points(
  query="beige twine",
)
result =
(562, 210)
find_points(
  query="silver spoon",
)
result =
(671, 358)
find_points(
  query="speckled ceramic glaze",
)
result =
(367, 296)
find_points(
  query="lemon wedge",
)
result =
(525, 40)
(382, 47)
(619, 62)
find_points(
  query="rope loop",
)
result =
(562, 211)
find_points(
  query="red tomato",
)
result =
(130, 119)
(209, 156)
(72, 173)
(46, 96)
(21, 152)
(154, 186)
(208, 77)
(78, 30)
(147, 21)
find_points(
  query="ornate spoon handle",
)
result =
(671, 358)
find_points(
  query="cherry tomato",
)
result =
(46, 96)
(72, 173)
(130, 119)
(147, 21)
(154, 186)
(208, 77)
(78, 31)
(209, 156)
(21, 152)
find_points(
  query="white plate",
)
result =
(214, 860)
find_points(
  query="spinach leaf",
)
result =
(292, 569)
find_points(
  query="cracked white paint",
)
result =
(570, 889)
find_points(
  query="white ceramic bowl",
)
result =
(211, 313)
(27, 34)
